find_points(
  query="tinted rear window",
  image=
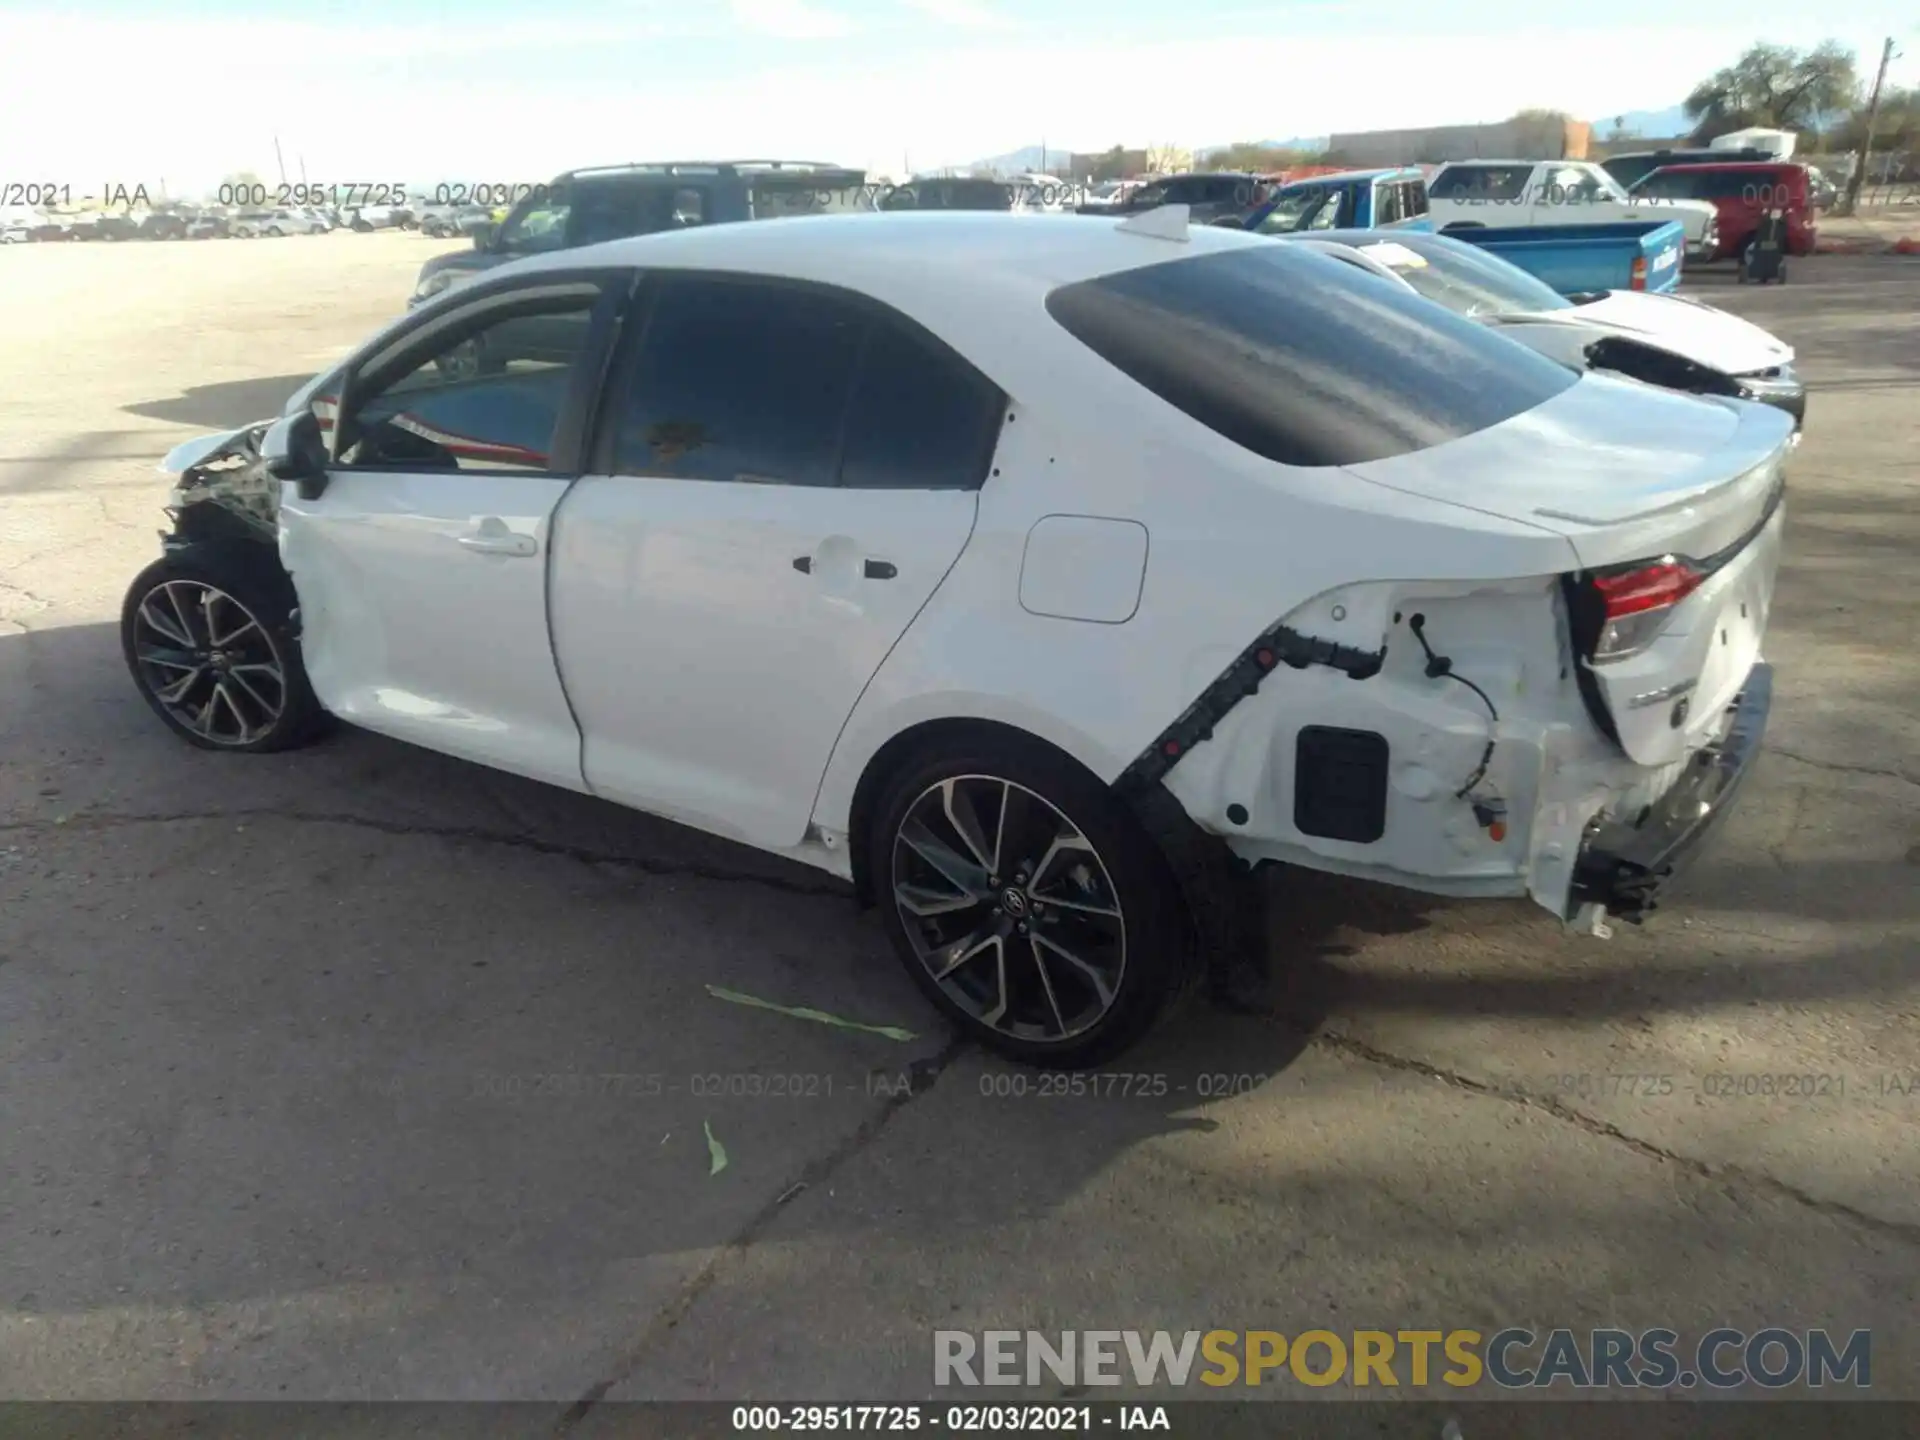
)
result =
(1303, 359)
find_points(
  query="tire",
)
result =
(246, 708)
(1083, 891)
(361, 227)
(274, 232)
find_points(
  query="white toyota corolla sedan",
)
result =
(1028, 572)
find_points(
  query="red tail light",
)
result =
(1640, 273)
(1636, 603)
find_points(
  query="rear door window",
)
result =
(739, 380)
(1304, 360)
(755, 381)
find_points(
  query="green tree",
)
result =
(1112, 165)
(1775, 86)
(1895, 128)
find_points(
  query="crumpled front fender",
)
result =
(226, 469)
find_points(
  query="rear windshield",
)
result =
(1303, 359)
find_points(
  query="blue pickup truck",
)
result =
(1583, 259)
(1350, 199)
(1573, 259)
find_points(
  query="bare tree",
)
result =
(1168, 159)
(1775, 86)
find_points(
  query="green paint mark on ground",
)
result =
(802, 1012)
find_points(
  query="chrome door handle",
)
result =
(501, 544)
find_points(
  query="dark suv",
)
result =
(611, 202)
(1634, 166)
(1208, 195)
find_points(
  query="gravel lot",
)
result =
(277, 1035)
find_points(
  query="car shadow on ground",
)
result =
(226, 405)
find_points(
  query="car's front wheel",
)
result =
(1027, 902)
(210, 644)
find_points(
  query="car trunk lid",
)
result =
(1635, 477)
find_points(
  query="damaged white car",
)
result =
(1034, 574)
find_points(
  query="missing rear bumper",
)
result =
(1626, 868)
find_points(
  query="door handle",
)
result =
(492, 544)
(881, 570)
(803, 563)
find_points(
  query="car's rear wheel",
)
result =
(1027, 902)
(210, 644)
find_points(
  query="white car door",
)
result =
(785, 474)
(421, 566)
(1566, 195)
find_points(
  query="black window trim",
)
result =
(597, 454)
(570, 426)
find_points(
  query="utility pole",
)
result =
(278, 161)
(1866, 143)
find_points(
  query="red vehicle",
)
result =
(1742, 191)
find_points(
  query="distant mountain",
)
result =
(1653, 124)
(1021, 162)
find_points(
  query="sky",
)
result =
(99, 93)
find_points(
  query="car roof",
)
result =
(709, 169)
(1680, 150)
(1738, 165)
(1341, 176)
(928, 248)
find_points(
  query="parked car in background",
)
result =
(209, 227)
(368, 218)
(1108, 195)
(610, 202)
(966, 192)
(1632, 166)
(1513, 193)
(1661, 339)
(447, 221)
(107, 226)
(1741, 193)
(162, 225)
(15, 231)
(767, 554)
(1208, 195)
(276, 223)
(1358, 199)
